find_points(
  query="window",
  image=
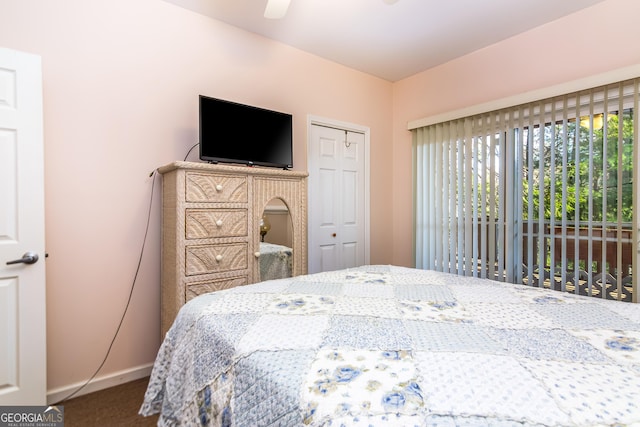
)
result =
(541, 194)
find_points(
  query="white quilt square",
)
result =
(284, 332)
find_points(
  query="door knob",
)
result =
(28, 258)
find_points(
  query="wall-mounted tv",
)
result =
(236, 133)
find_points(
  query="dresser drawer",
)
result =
(216, 188)
(195, 289)
(210, 223)
(205, 259)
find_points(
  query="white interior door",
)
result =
(22, 284)
(338, 199)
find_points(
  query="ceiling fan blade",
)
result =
(276, 9)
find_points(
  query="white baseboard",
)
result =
(100, 383)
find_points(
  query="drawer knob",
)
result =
(257, 254)
(219, 223)
(218, 258)
(218, 187)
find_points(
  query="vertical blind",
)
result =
(542, 193)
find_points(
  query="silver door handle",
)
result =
(28, 258)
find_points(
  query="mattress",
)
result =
(394, 346)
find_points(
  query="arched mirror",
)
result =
(276, 241)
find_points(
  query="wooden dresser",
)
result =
(210, 227)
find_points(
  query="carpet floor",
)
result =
(115, 406)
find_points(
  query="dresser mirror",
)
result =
(276, 241)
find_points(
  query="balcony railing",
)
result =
(592, 258)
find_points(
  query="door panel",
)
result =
(8, 336)
(336, 199)
(352, 224)
(328, 257)
(8, 221)
(350, 254)
(22, 286)
(328, 182)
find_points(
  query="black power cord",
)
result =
(189, 152)
(126, 308)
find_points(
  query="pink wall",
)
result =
(596, 40)
(121, 80)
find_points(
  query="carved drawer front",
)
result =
(216, 188)
(208, 223)
(195, 289)
(207, 259)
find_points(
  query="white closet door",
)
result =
(337, 189)
(22, 284)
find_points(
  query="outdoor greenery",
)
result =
(575, 175)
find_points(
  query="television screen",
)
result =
(238, 133)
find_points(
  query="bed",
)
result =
(394, 346)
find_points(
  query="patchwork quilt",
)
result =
(394, 346)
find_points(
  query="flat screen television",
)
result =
(236, 133)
